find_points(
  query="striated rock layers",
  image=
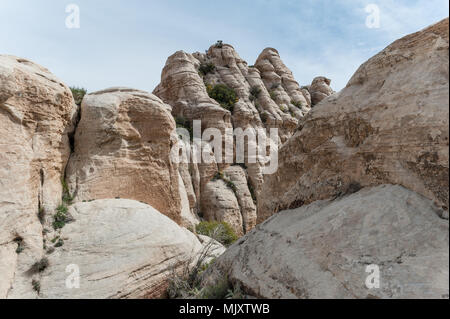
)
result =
(267, 96)
(388, 125)
(121, 248)
(322, 250)
(36, 117)
(122, 150)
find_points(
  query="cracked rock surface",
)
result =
(322, 250)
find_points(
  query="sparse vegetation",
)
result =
(273, 94)
(20, 245)
(60, 219)
(219, 44)
(222, 231)
(298, 104)
(187, 282)
(264, 117)
(226, 96)
(252, 190)
(228, 182)
(275, 86)
(219, 290)
(40, 265)
(59, 243)
(61, 216)
(254, 93)
(36, 285)
(206, 68)
(66, 197)
(78, 94)
(41, 215)
(182, 122)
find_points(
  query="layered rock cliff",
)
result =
(267, 96)
(362, 178)
(36, 117)
(388, 125)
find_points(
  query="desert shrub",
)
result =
(264, 117)
(20, 245)
(254, 93)
(206, 68)
(226, 96)
(284, 109)
(273, 94)
(60, 218)
(222, 231)
(78, 94)
(186, 282)
(218, 290)
(67, 198)
(297, 104)
(36, 285)
(40, 265)
(59, 243)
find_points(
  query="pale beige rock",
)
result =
(320, 89)
(322, 250)
(188, 217)
(211, 248)
(219, 203)
(237, 176)
(123, 249)
(36, 115)
(185, 89)
(122, 150)
(388, 125)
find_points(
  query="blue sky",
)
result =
(126, 43)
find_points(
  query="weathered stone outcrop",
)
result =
(320, 89)
(122, 248)
(36, 116)
(267, 97)
(322, 250)
(388, 125)
(122, 150)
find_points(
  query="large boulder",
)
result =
(320, 89)
(121, 248)
(37, 114)
(122, 150)
(323, 250)
(388, 125)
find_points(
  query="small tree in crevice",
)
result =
(78, 94)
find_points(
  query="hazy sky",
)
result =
(126, 43)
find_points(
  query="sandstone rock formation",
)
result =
(388, 125)
(320, 89)
(267, 97)
(122, 150)
(36, 116)
(322, 250)
(122, 248)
